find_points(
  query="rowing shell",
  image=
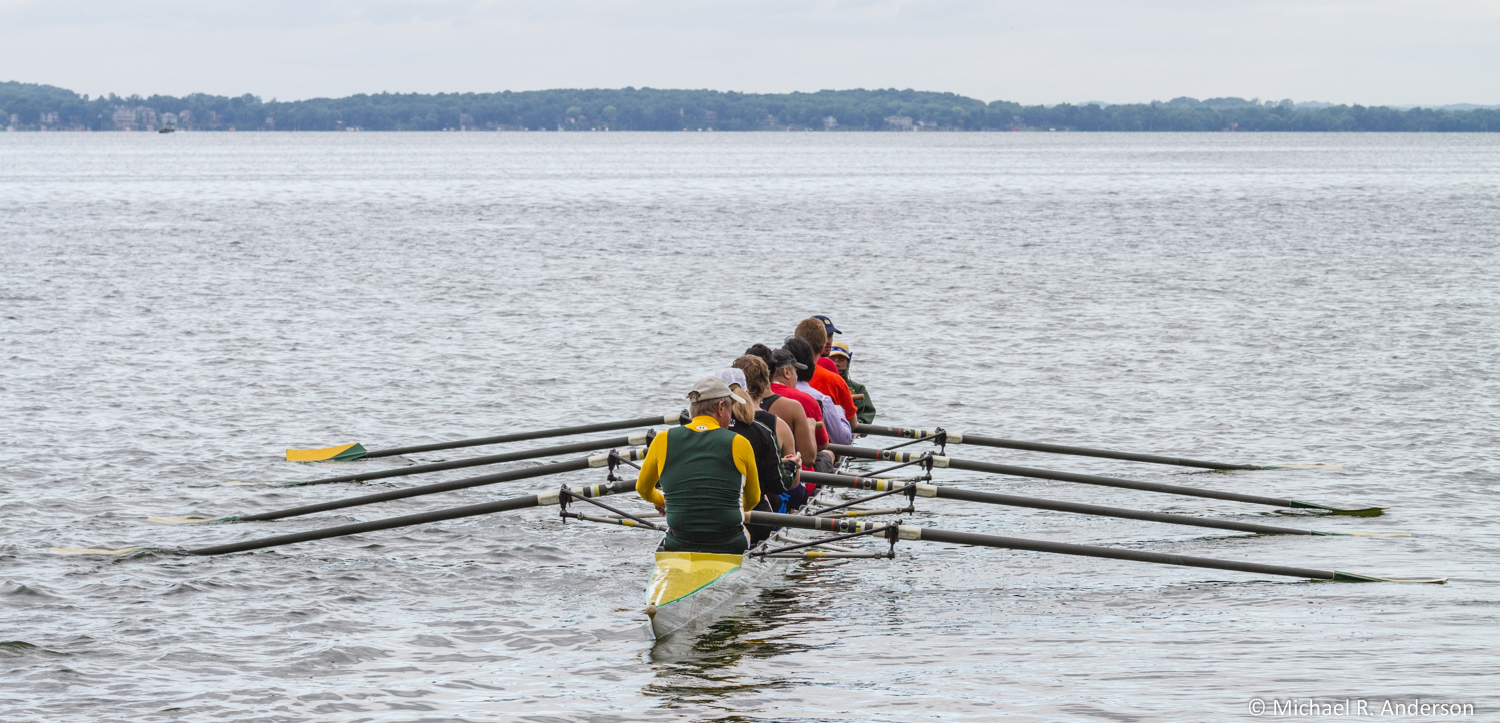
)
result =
(689, 589)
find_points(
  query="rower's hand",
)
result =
(793, 457)
(661, 507)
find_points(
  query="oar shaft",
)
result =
(674, 418)
(587, 446)
(390, 523)
(1065, 548)
(1088, 479)
(489, 479)
(1123, 513)
(913, 532)
(515, 503)
(958, 493)
(955, 438)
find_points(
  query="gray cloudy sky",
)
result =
(1376, 51)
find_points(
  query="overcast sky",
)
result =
(1373, 51)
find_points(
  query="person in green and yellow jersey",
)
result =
(703, 476)
(864, 407)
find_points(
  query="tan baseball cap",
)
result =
(711, 388)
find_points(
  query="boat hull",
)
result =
(689, 589)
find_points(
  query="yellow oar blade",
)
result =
(90, 551)
(338, 454)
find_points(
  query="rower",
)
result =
(796, 414)
(830, 330)
(707, 476)
(786, 373)
(779, 458)
(834, 421)
(758, 427)
(842, 356)
(825, 377)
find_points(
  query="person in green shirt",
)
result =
(702, 476)
(841, 357)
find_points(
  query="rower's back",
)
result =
(702, 486)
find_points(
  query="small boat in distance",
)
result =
(166, 129)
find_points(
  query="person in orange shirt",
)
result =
(826, 377)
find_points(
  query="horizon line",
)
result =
(1102, 103)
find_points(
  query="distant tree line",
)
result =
(27, 106)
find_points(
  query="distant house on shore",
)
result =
(900, 122)
(124, 118)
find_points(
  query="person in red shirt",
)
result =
(826, 377)
(825, 357)
(783, 384)
(790, 410)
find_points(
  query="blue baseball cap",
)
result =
(827, 324)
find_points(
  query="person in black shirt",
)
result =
(779, 446)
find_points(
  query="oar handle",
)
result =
(956, 438)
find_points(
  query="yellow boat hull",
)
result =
(689, 588)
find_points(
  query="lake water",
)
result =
(177, 310)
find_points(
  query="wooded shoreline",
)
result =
(34, 107)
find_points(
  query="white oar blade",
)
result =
(184, 520)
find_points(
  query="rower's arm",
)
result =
(866, 406)
(785, 440)
(788, 442)
(744, 460)
(802, 427)
(651, 466)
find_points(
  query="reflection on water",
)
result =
(697, 669)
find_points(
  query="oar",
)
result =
(872, 484)
(956, 438)
(589, 446)
(452, 513)
(913, 532)
(939, 460)
(598, 460)
(357, 451)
